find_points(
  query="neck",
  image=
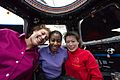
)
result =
(53, 52)
(28, 43)
(74, 50)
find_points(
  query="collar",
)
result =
(22, 35)
(77, 51)
(48, 50)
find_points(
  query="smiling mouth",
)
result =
(54, 47)
(71, 48)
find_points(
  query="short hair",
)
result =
(36, 28)
(55, 32)
(40, 26)
(72, 33)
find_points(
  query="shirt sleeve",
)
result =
(93, 67)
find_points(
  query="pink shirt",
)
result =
(16, 63)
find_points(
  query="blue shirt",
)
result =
(52, 63)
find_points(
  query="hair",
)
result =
(37, 28)
(55, 32)
(72, 33)
(75, 34)
(40, 26)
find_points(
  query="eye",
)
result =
(43, 33)
(57, 40)
(67, 41)
(73, 41)
(46, 38)
(52, 40)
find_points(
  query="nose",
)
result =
(43, 36)
(55, 43)
(70, 43)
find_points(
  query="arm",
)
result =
(93, 67)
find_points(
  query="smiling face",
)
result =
(39, 37)
(72, 43)
(55, 41)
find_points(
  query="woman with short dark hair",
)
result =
(80, 64)
(53, 56)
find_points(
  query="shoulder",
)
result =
(85, 51)
(9, 32)
(43, 49)
(62, 49)
(5, 30)
(88, 55)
